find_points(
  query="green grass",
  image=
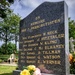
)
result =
(7, 70)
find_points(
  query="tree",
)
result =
(15, 28)
(8, 27)
(4, 6)
(71, 28)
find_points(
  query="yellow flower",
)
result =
(25, 72)
(31, 67)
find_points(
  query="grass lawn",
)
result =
(6, 70)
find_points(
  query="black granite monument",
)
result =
(44, 39)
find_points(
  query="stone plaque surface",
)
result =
(43, 38)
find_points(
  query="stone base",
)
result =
(16, 72)
(47, 74)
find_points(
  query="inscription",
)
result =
(38, 17)
(58, 62)
(53, 37)
(52, 52)
(37, 22)
(30, 53)
(36, 25)
(54, 46)
(35, 44)
(51, 57)
(30, 61)
(28, 49)
(23, 30)
(22, 57)
(31, 57)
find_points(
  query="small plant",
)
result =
(72, 62)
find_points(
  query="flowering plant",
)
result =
(31, 70)
(72, 62)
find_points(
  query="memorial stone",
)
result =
(44, 39)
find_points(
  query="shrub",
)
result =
(4, 57)
(10, 48)
(1, 60)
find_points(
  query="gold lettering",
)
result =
(38, 39)
(38, 57)
(30, 53)
(38, 61)
(22, 53)
(52, 37)
(28, 49)
(39, 52)
(30, 61)
(50, 42)
(52, 62)
(52, 32)
(54, 46)
(37, 22)
(40, 48)
(22, 57)
(41, 43)
(24, 45)
(44, 34)
(23, 30)
(42, 23)
(51, 52)
(31, 57)
(24, 38)
(55, 56)
(38, 17)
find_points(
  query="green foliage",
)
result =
(72, 69)
(72, 34)
(10, 48)
(72, 65)
(9, 28)
(4, 57)
(4, 6)
(1, 60)
(71, 28)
